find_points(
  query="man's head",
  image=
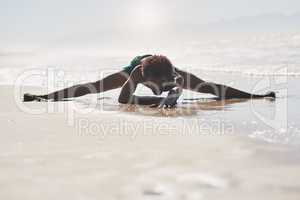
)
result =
(159, 73)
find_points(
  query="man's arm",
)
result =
(192, 82)
(127, 92)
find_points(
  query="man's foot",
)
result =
(29, 97)
(271, 94)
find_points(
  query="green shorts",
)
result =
(135, 62)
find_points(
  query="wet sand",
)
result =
(93, 148)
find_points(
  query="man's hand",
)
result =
(171, 100)
(30, 97)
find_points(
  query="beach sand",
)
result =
(121, 152)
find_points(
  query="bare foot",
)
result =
(271, 94)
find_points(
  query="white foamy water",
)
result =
(251, 54)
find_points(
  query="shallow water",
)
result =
(275, 121)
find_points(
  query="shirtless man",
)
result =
(155, 72)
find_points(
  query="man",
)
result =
(155, 72)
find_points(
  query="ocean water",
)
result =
(251, 54)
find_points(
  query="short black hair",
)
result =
(157, 66)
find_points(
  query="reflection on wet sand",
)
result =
(185, 108)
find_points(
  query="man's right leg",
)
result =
(110, 82)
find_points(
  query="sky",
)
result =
(40, 20)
